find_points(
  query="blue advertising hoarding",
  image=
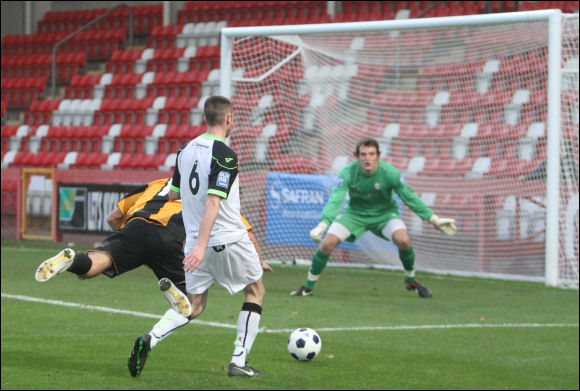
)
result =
(294, 204)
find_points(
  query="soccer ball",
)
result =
(304, 344)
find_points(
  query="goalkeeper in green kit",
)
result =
(370, 183)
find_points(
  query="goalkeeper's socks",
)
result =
(408, 259)
(312, 278)
(318, 262)
(81, 264)
(169, 322)
(409, 276)
(248, 324)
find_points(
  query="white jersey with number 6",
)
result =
(208, 166)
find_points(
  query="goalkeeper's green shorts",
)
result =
(357, 224)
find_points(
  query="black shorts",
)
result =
(143, 243)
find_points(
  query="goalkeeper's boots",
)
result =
(139, 354)
(178, 300)
(55, 265)
(422, 290)
(302, 291)
(246, 370)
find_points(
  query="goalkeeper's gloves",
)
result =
(318, 231)
(445, 225)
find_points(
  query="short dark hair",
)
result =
(367, 142)
(216, 108)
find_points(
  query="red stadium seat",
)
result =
(151, 162)
(160, 86)
(40, 112)
(7, 133)
(90, 160)
(21, 92)
(122, 111)
(165, 60)
(206, 58)
(176, 136)
(122, 86)
(140, 161)
(51, 159)
(147, 17)
(123, 61)
(127, 161)
(132, 138)
(177, 110)
(82, 86)
(163, 36)
(28, 159)
(189, 83)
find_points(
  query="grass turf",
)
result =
(47, 346)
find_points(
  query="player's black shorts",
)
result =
(143, 243)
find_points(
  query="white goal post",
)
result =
(478, 112)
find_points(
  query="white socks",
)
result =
(248, 324)
(169, 322)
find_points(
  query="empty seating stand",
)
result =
(21, 92)
(144, 19)
(179, 61)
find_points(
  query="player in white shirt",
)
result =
(217, 245)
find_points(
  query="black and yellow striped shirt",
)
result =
(151, 203)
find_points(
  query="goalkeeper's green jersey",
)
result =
(372, 195)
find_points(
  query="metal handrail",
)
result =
(84, 27)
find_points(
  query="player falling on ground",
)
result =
(370, 183)
(149, 231)
(217, 246)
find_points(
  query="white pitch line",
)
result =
(106, 309)
(278, 331)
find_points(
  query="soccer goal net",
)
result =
(459, 105)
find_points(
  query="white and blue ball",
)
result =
(304, 344)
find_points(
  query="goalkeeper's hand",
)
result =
(318, 231)
(445, 225)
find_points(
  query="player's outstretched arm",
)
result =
(318, 231)
(445, 225)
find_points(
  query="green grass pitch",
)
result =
(473, 334)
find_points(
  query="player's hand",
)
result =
(266, 267)
(445, 225)
(192, 260)
(318, 231)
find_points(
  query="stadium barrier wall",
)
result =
(13, 193)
